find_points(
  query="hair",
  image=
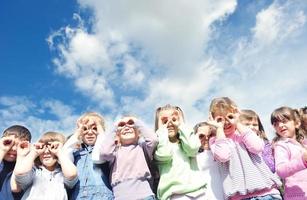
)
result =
(18, 131)
(96, 115)
(223, 105)
(249, 115)
(201, 124)
(166, 107)
(287, 113)
(52, 137)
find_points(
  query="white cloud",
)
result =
(21, 110)
(144, 54)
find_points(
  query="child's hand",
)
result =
(218, 122)
(55, 148)
(23, 148)
(39, 148)
(6, 143)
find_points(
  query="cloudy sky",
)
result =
(60, 59)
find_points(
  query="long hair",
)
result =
(288, 114)
(222, 105)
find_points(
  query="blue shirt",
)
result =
(93, 181)
(6, 169)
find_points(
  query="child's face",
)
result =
(171, 119)
(204, 134)
(285, 128)
(11, 155)
(252, 124)
(126, 131)
(228, 119)
(48, 159)
(90, 131)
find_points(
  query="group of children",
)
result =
(227, 156)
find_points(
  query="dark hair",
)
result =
(287, 114)
(249, 115)
(18, 131)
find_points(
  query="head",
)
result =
(251, 119)
(90, 131)
(303, 116)
(126, 131)
(224, 109)
(286, 123)
(18, 133)
(47, 159)
(170, 116)
(204, 131)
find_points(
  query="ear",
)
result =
(297, 124)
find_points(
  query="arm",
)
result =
(189, 141)
(220, 148)
(148, 138)
(285, 166)
(253, 143)
(164, 151)
(104, 149)
(69, 170)
(96, 154)
(70, 145)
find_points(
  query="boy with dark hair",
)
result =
(9, 143)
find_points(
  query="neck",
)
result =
(173, 139)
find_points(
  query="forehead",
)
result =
(203, 129)
(168, 112)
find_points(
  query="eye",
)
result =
(219, 119)
(201, 136)
(230, 116)
(174, 119)
(84, 128)
(121, 124)
(130, 122)
(164, 120)
(95, 128)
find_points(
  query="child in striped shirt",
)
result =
(238, 151)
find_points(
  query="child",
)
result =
(290, 153)
(303, 116)
(206, 162)
(238, 150)
(128, 148)
(11, 138)
(176, 150)
(93, 177)
(53, 170)
(250, 119)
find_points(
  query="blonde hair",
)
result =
(166, 107)
(223, 105)
(52, 137)
(249, 115)
(287, 113)
(94, 115)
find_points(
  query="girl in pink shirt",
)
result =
(290, 152)
(238, 152)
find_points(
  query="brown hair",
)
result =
(287, 113)
(223, 105)
(249, 115)
(18, 131)
(96, 115)
(166, 107)
(201, 124)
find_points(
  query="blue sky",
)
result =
(62, 58)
